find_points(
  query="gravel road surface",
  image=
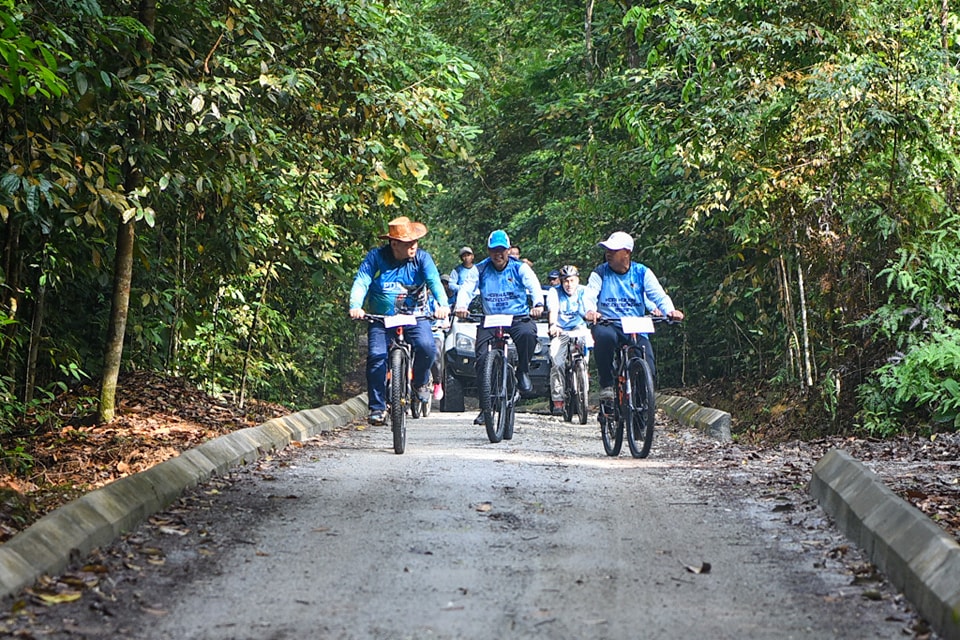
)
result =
(540, 537)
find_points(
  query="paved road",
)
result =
(539, 537)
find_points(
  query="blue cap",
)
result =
(498, 240)
(553, 274)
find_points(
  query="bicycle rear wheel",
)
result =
(490, 391)
(643, 409)
(399, 366)
(581, 386)
(508, 412)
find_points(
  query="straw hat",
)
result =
(404, 229)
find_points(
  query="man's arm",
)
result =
(532, 284)
(653, 293)
(590, 295)
(467, 292)
(361, 283)
(454, 282)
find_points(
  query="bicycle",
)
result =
(634, 406)
(575, 375)
(400, 391)
(497, 382)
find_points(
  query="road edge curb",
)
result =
(95, 519)
(713, 422)
(918, 557)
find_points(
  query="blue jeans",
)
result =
(378, 339)
(607, 338)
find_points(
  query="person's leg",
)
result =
(376, 366)
(558, 358)
(644, 341)
(606, 341)
(524, 334)
(424, 351)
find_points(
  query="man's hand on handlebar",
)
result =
(357, 314)
(536, 312)
(676, 315)
(440, 313)
(592, 316)
(462, 312)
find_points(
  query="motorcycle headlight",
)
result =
(538, 349)
(464, 343)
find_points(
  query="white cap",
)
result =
(618, 240)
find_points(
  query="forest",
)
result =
(189, 186)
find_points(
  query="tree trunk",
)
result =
(588, 43)
(251, 339)
(123, 261)
(113, 353)
(807, 356)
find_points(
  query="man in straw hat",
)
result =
(394, 278)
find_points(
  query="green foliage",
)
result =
(919, 380)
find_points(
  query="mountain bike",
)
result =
(634, 405)
(497, 382)
(400, 391)
(576, 378)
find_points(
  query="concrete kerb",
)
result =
(918, 557)
(713, 422)
(74, 530)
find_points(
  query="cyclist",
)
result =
(503, 283)
(553, 280)
(620, 287)
(394, 278)
(565, 309)
(466, 264)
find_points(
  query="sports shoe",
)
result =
(425, 393)
(377, 418)
(557, 408)
(437, 391)
(606, 393)
(524, 384)
(479, 419)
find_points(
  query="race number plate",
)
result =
(632, 324)
(399, 320)
(497, 320)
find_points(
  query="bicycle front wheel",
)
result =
(491, 391)
(399, 367)
(643, 408)
(581, 386)
(611, 429)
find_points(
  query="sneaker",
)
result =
(557, 408)
(425, 393)
(377, 418)
(479, 419)
(606, 393)
(437, 391)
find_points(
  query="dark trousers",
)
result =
(378, 338)
(607, 338)
(524, 334)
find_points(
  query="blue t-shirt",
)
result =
(386, 286)
(501, 291)
(570, 309)
(617, 295)
(458, 275)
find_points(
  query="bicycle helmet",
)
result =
(568, 271)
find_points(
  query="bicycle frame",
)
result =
(575, 392)
(634, 405)
(497, 383)
(399, 374)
